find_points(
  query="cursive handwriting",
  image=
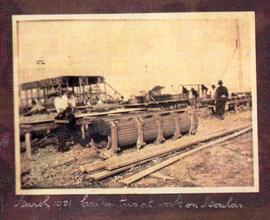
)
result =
(229, 204)
(101, 203)
(23, 203)
(143, 205)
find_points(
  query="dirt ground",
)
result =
(227, 164)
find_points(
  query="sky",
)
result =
(137, 54)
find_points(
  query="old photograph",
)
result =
(135, 103)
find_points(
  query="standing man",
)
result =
(213, 91)
(213, 98)
(221, 97)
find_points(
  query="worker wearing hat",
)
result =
(221, 97)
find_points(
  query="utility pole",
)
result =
(238, 46)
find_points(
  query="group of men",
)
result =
(220, 96)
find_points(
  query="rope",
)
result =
(227, 64)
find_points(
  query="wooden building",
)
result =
(86, 89)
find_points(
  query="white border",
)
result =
(148, 16)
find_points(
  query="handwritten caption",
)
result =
(87, 202)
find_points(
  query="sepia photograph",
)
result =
(155, 103)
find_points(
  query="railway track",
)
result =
(140, 164)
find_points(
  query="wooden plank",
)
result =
(91, 116)
(140, 175)
(28, 145)
(161, 151)
(106, 173)
(110, 112)
(36, 122)
(38, 127)
(95, 166)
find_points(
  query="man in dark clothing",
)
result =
(221, 97)
(185, 91)
(67, 130)
(195, 93)
(204, 90)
